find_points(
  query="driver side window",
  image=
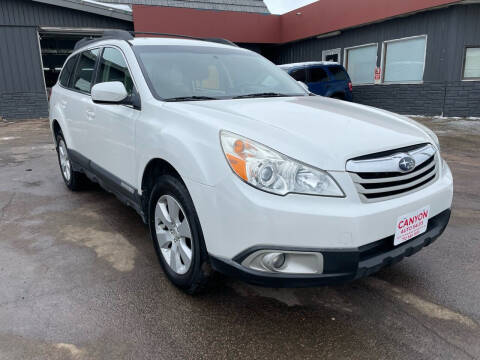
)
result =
(113, 67)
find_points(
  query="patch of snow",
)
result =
(109, 5)
(9, 138)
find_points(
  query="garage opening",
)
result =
(56, 44)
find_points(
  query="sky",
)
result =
(283, 6)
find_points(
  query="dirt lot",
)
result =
(79, 279)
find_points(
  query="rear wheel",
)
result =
(73, 179)
(177, 235)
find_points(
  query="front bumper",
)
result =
(340, 266)
(235, 216)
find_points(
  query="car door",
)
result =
(317, 80)
(63, 97)
(113, 127)
(79, 105)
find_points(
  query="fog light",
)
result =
(285, 261)
(273, 261)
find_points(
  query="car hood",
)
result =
(320, 131)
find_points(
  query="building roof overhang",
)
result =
(93, 7)
(313, 20)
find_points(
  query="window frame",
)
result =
(70, 85)
(384, 58)
(345, 61)
(97, 71)
(463, 78)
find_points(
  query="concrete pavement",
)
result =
(79, 279)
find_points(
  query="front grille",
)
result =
(380, 178)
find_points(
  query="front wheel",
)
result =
(177, 235)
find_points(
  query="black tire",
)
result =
(338, 96)
(77, 180)
(196, 278)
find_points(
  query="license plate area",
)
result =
(411, 225)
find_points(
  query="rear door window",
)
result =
(318, 74)
(299, 75)
(113, 67)
(67, 70)
(82, 80)
(338, 73)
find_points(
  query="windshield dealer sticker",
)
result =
(411, 225)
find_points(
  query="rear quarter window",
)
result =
(338, 73)
(318, 74)
(299, 75)
(67, 70)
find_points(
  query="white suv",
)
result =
(235, 167)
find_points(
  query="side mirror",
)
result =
(112, 92)
(303, 85)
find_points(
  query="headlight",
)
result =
(268, 170)
(434, 137)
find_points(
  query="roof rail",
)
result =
(215, 40)
(129, 35)
(107, 35)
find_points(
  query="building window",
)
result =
(331, 55)
(404, 59)
(360, 62)
(471, 68)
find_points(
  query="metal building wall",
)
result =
(449, 30)
(22, 91)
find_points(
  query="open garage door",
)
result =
(56, 44)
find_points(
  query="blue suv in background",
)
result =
(322, 78)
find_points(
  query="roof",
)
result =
(306, 63)
(115, 11)
(141, 41)
(253, 6)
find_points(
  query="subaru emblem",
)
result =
(406, 164)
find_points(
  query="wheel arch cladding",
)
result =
(155, 168)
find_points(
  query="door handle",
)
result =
(90, 114)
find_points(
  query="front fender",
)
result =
(194, 151)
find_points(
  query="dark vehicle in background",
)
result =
(322, 78)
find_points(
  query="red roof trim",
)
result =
(320, 17)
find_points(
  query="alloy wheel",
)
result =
(174, 235)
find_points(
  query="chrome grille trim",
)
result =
(358, 179)
(390, 163)
(381, 176)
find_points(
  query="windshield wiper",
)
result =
(264, 94)
(191, 98)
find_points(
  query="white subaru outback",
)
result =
(236, 167)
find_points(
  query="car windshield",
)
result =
(181, 73)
